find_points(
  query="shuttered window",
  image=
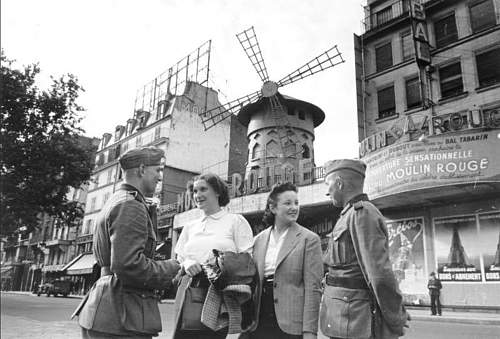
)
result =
(446, 30)
(384, 15)
(386, 102)
(450, 80)
(488, 67)
(413, 93)
(383, 56)
(407, 45)
(482, 15)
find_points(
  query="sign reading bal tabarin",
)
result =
(439, 161)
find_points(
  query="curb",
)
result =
(456, 320)
(70, 296)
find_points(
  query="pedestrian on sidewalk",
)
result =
(361, 298)
(434, 286)
(123, 302)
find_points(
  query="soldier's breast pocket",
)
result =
(341, 248)
(345, 313)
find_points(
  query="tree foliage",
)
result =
(43, 152)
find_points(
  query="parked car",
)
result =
(62, 287)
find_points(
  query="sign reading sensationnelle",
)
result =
(441, 160)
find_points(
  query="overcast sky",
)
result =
(115, 47)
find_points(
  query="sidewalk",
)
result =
(420, 314)
(478, 318)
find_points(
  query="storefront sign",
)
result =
(406, 251)
(458, 249)
(440, 161)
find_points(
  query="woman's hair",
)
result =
(272, 200)
(218, 185)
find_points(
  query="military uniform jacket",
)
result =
(123, 302)
(360, 240)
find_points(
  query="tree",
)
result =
(43, 152)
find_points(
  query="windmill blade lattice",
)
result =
(328, 59)
(248, 41)
(215, 115)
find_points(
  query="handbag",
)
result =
(191, 309)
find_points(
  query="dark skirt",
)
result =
(268, 327)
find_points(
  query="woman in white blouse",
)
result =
(288, 258)
(217, 229)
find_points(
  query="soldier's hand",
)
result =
(191, 267)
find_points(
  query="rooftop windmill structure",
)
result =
(280, 128)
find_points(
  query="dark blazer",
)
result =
(123, 302)
(297, 288)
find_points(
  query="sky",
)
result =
(115, 47)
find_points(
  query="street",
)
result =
(29, 316)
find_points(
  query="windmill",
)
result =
(267, 109)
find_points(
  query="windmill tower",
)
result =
(280, 128)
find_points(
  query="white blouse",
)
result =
(222, 231)
(273, 249)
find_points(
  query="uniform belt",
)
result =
(351, 283)
(144, 292)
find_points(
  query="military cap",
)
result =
(148, 156)
(341, 164)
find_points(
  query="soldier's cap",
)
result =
(148, 156)
(341, 164)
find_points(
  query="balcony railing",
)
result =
(397, 9)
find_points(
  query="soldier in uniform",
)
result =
(123, 301)
(361, 297)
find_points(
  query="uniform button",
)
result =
(143, 295)
(345, 298)
(275, 301)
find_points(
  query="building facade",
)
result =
(175, 127)
(428, 89)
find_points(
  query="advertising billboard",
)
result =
(441, 160)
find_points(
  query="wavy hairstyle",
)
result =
(218, 185)
(272, 200)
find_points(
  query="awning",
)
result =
(73, 261)
(52, 268)
(5, 269)
(82, 265)
(159, 246)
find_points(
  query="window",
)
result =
(138, 141)
(110, 176)
(413, 93)
(386, 102)
(306, 154)
(106, 197)
(384, 15)
(383, 56)
(407, 45)
(92, 204)
(482, 15)
(450, 80)
(488, 67)
(301, 114)
(445, 30)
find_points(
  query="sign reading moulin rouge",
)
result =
(441, 160)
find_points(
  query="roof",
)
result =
(246, 112)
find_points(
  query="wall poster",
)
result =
(406, 250)
(489, 238)
(457, 248)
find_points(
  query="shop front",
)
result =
(83, 271)
(441, 198)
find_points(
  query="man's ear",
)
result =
(140, 170)
(340, 183)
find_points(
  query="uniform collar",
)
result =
(215, 216)
(132, 190)
(351, 202)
